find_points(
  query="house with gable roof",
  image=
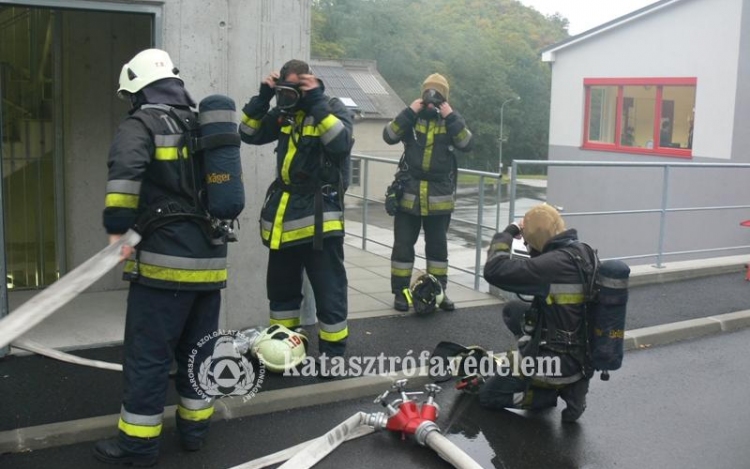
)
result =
(668, 83)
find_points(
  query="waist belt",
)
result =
(318, 189)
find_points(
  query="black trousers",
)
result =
(327, 275)
(162, 326)
(406, 230)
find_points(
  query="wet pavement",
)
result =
(676, 406)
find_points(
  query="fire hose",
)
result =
(51, 299)
(404, 416)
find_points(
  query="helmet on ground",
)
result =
(145, 68)
(280, 349)
(540, 224)
(427, 294)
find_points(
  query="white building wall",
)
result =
(692, 39)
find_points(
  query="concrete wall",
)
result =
(741, 142)
(220, 46)
(667, 43)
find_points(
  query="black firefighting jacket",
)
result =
(428, 168)
(152, 177)
(553, 278)
(313, 143)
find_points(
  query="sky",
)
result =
(586, 14)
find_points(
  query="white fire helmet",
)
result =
(145, 68)
(280, 349)
(427, 294)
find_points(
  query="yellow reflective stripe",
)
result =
(195, 415)
(437, 270)
(401, 272)
(139, 431)
(290, 152)
(423, 204)
(309, 231)
(278, 224)
(500, 247)
(310, 131)
(288, 323)
(250, 122)
(121, 200)
(334, 336)
(265, 234)
(428, 146)
(329, 122)
(178, 275)
(169, 153)
(565, 298)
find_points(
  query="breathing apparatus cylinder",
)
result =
(222, 167)
(608, 328)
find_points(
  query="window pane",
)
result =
(638, 128)
(676, 129)
(355, 172)
(602, 114)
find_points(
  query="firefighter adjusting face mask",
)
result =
(287, 95)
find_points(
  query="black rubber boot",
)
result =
(447, 304)
(574, 396)
(110, 451)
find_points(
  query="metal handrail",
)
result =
(664, 208)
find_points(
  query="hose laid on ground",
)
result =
(449, 451)
(40, 349)
(52, 298)
(285, 454)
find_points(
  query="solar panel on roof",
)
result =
(339, 83)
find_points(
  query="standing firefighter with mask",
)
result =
(423, 193)
(302, 218)
(177, 271)
(554, 325)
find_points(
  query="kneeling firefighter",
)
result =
(156, 185)
(553, 326)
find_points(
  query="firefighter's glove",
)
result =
(266, 93)
(513, 229)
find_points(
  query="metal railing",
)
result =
(365, 197)
(479, 225)
(663, 210)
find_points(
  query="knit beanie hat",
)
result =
(438, 83)
(540, 224)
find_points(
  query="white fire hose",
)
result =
(52, 298)
(306, 455)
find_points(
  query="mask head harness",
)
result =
(289, 94)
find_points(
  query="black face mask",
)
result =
(432, 97)
(288, 96)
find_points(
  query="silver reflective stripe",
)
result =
(163, 107)
(391, 131)
(195, 404)
(309, 121)
(558, 380)
(288, 314)
(266, 225)
(557, 288)
(332, 133)
(219, 116)
(137, 419)
(338, 327)
(617, 283)
(247, 130)
(401, 265)
(518, 398)
(309, 221)
(436, 264)
(123, 186)
(409, 197)
(464, 141)
(167, 140)
(437, 199)
(174, 262)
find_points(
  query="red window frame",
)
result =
(659, 83)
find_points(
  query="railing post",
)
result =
(663, 216)
(512, 196)
(366, 177)
(478, 253)
(499, 200)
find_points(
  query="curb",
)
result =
(94, 428)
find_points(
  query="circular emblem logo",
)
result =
(224, 371)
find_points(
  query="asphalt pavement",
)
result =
(672, 407)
